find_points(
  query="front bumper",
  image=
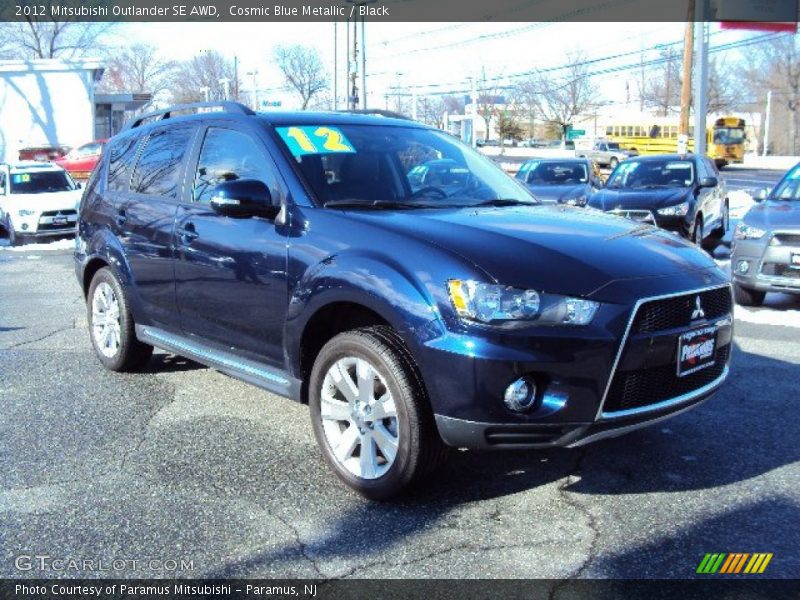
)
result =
(594, 382)
(770, 267)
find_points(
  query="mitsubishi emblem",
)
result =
(698, 313)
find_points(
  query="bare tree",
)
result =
(775, 65)
(660, 85)
(137, 69)
(303, 70)
(32, 39)
(203, 77)
(430, 110)
(488, 99)
(562, 95)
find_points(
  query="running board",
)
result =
(268, 378)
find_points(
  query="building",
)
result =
(46, 103)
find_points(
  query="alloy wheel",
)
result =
(106, 320)
(359, 418)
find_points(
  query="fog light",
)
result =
(742, 267)
(520, 395)
(24, 227)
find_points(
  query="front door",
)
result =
(231, 285)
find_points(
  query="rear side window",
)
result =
(159, 168)
(121, 156)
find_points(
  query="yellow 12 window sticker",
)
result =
(315, 139)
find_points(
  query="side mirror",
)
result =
(761, 195)
(708, 182)
(243, 198)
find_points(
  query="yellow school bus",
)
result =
(725, 139)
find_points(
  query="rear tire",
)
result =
(111, 325)
(747, 297)
(724, 226)
(377, 433)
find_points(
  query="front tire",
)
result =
(371, 415)
(111, 325)
(724, 226)
(698, 234)
(747, 297)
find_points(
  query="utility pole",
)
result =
(686, 82)
(335, 65)
(363, 63)
(354, 72)
(701, 80)
(474, 106)
(766, 123)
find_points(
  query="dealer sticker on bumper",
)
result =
(696, 350)
(795, 259)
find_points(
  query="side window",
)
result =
(159, 168)
(120, 164)
(228, 155)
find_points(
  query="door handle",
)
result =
(187, 234)
(122, 217)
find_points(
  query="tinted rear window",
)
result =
(121, 155)
(159, 168)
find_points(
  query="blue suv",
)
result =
(300, 252)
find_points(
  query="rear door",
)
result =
(231, 281)
(145, 217)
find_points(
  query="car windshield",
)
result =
(40, 182)
(558, 173)
(728, 135)
(789, 188)
(649, 174)
(380, 165)
(613, 146)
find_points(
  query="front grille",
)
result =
(636, 389)
(522, 435)
(673, 313)
(776, 270)
(56, 213)
(55, 227)
(786, 239)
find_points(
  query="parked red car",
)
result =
(43, 153)
(80, 161)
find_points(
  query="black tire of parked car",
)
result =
(747, 297)
(420, 449)
(13, 238)
(720, 231)
(132, 354)
(698, 234)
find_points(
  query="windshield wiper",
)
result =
(504, 202)
(376, 204)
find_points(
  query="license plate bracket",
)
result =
(697, 350)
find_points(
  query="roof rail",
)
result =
(376, 112)
(160, 115)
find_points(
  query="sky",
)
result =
(430, 57)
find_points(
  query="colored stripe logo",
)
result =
(734, 563)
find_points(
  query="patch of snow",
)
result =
(767, 316)
(63, 244)
(739, 202)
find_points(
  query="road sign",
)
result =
(270, 104)
(575, 133)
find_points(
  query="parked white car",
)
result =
(37, 200)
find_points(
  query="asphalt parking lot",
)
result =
(185, 464)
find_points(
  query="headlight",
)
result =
(25, 212)
(679, 210)
(748, 232)
(488, 303)
(579, 201)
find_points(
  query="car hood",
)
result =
(775, 214)
(42, 202)
(558, 193)
(628, 199)
(552, 248)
